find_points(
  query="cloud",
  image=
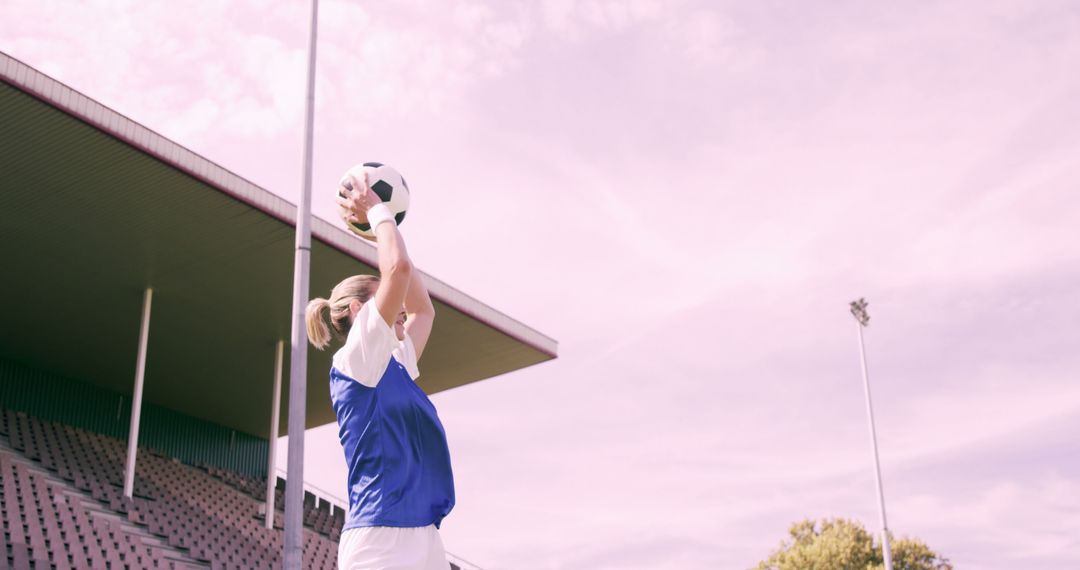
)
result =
(567, 16)
(691, 31)
(167, 71)
(408, 60)
(164, 70)
(1027, 522)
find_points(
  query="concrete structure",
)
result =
(96, 209)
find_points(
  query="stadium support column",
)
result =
(294, 489)
(275, 409)
(136, 397)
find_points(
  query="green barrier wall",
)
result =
(64, 400)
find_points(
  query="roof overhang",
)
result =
(95, 208)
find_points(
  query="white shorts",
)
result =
(390, 548)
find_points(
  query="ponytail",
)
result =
(327, 319)
(317, 330)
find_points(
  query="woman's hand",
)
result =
(356, 198)
(395, 270)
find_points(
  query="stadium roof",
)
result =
(94, 208)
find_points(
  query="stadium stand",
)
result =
(150, 216)
(63, 508)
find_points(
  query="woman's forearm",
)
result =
(393, 257)
(417, 299)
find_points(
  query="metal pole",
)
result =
(275, 413)
(858, 308)
(136, 397)
(294, 491)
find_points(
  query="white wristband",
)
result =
(378, 214)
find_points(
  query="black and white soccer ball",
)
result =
(388, 184)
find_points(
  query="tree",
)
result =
(842, 544)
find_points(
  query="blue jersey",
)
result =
(396, 450)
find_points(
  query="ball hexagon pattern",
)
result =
(387, 184)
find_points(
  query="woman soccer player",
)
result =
(400, 482)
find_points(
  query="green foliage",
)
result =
(842, 544)
(914, 554)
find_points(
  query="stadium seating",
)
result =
(319, 514)
(62, 507)
(180, 516)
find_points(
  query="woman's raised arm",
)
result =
(420, 313)
(395, 268)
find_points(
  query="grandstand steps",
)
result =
(95, 511)
(64, 477)
(258, 506)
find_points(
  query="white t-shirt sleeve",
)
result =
(405, 353)
(368, 347)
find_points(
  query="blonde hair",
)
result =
(360, 287)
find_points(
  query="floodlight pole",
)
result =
(275, 414)
(862, 319)
(294, 488)
(136, 396)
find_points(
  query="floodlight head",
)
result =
(858, 309)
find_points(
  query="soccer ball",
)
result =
(388, 184)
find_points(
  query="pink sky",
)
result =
(686, 195)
